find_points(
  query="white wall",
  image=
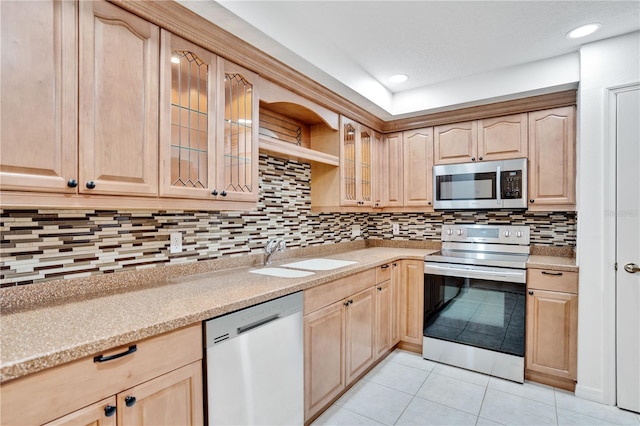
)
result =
(530, 79)
(603, 65)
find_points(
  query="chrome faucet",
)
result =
(273, 246)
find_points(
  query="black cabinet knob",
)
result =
(429, 203)
(72, 183)
(532, 201)
(531, 292)
(480, 158)
(109, 410)
(214, 192)
(130, 401)
(473, 158)
(379, 288)
(91, 184)
(223, 193)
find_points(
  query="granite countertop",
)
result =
(49, 334)
(553, 258)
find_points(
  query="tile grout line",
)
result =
(413, 396)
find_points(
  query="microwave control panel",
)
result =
(511, 184)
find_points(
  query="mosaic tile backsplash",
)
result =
(43, 245)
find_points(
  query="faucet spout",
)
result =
(273, 246)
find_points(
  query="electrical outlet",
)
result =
(396, 229)
(176, 242)
(355, 231)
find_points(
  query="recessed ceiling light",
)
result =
(583, 31)
(398, 78)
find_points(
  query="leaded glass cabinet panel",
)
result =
(188, 115)
(238, 136)
(356, 164)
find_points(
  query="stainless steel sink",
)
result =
(281, 272)
(320, 264)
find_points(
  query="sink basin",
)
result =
(320, 264)
(281, 272)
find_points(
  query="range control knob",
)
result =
(507, 233)
(449, 231)
(460, 232)
(518, 234)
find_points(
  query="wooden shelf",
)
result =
(295, 152)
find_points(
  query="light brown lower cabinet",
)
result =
(411, 304)
(102, 413)
(174, 398)
(387, 308)
(339, 347)
(157, 381)
(348, 326)
(552, 326)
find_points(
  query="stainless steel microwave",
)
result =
(484, 185)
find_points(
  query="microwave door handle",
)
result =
(498, 188)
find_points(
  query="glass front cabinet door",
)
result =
(237, 174)
(208, 145)
(356, 162)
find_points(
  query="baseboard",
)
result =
(546, 379)
(592, 394)
(411, 347)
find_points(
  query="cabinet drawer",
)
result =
(544, 279)
(52, 393)
(383, 273)
(329, 293)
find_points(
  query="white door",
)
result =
(628, 248)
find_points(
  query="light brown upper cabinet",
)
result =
(497, 138)
(502, 138)
(418, 165)
(119, 125)
(455, 143)
(389, 182)
(38, 87)
(208, 139)
(356, 163)
(119, 71)
(209, 131)
(187, 118)
(552, 159)
(237, 145)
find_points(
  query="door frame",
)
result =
(611, 225)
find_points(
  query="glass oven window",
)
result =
(482, 313)
(468, 186)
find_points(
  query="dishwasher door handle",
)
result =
(263, 321)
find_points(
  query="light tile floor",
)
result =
(405, 389)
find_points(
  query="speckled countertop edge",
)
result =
(552, 258)
(43, 336)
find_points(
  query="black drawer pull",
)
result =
(109, 410)
(130, 401)
(384, 267)
(557, 274)
(102, 358)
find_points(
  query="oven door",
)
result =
(480, 312)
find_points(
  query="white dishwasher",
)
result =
(254, 367)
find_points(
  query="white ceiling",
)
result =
(353, 47)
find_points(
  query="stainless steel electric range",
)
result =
(474, 299)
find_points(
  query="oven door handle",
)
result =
(498, 275)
